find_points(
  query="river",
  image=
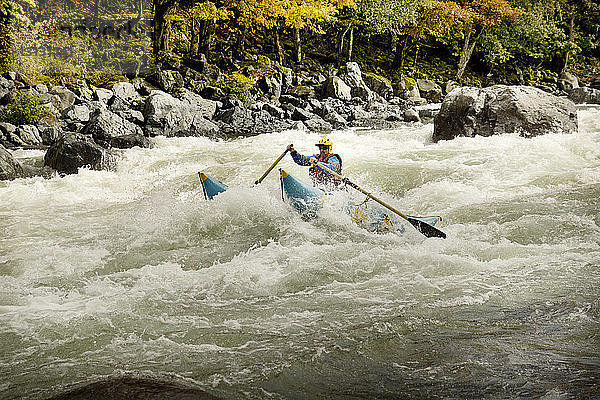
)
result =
(109, 273)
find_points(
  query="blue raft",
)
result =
(308, 199)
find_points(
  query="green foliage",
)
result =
(236, 83)
(105, 78)
(26, 109)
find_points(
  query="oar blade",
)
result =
(426, 229)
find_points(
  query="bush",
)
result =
(26, 109)
(105, 78)
(236, 83)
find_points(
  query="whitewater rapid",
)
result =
(132, 271)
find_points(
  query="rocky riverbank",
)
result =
(89, 122)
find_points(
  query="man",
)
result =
(332, 161)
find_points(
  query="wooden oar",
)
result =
(271, 167)
(423, 227)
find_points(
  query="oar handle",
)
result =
(271, 167)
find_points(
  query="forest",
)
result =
(472, 42)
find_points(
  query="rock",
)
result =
(274, 110)
(143, 87)
(134, 116)
(317, 124)
(411, 115)
(168, 80)
(167, 115)
(74, 151)
(300, 114)
(129, 141)
(335, 87)
(429, 90)
(450, 86)
(50, 134)
(198, 105)
(77, 113)
(203, 127)
(240, 121)
(380, 85)
(125, 91)
(469, 111)
(302, 91)
(428, 110)
(105, 126)
(568, 81)
(7, 128)
(28, 135)
(293, 100)
(271, 86)
(103, 95)
(67, 98)
(41, 88)
(9, 167)
(585, 95)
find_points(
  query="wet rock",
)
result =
(411, 115)
(73, 151)
(469, 111)
(585, 95)
(133, 388)
(9, 167)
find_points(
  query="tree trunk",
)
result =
(240, 45)
(206, 37)
(297, 47)
(160, 34)
(278, 46)
(571, 36)
(465, 55)
(350, 44)
(340, 47)
(399, 55)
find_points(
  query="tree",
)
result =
(11, 11)
(481, 15)
(160, 34)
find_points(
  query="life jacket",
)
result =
(320, 176)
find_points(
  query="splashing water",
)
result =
(107, 272)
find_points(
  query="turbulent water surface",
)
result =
(106, 273)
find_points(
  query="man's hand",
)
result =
(312, 160)
(290, 148)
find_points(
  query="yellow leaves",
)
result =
(208, 11)
(492, 12)
(293, 13)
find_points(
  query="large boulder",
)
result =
(67, 97)
(469, 111)
(74, 151)
(380, 85)
(9, 167)
(585, 95)
(105, 127)
(27, 135)
(167, 115)
(336, 88)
